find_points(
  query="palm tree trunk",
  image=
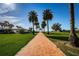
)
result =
(47, 27)
(73, 38)
(33, 28)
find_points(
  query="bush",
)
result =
(6, 32)
(22, 31)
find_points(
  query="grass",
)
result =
(62, 42)
(10, 44)
(59, 35)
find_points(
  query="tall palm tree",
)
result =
(43, 25)
(32, 18)
(72, 37)
(47, 15)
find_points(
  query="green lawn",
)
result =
(10, 44)
(62, 42)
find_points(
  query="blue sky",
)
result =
(18, 13)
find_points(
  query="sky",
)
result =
(17, 13)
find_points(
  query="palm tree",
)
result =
(37, 25)
(72, 37)
(47, 15)
(32, 18)
(43, 25)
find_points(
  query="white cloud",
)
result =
(11, 19)
(17, 21)
(4, 8)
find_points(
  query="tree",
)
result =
(76, 29)
(6, 27)
(37, 28)
(37, 25)
(47, 15)
(43, 25)
(6, 24)
(10, 27)
(72, 37)
(30, 29)
(32, 18)
(2, 25)
(56, 27)
(20, 29)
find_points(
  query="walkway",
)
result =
(40, 45)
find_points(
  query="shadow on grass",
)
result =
(59, 33)
(59, 37)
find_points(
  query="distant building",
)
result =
(13, 30)
(17, 30)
